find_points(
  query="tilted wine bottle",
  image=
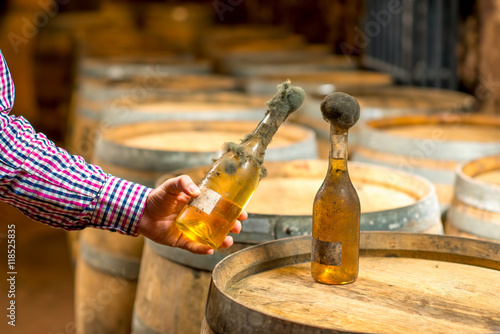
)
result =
(336, 208)
(234, 177)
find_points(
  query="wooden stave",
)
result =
(155, 314)
(106, 261)
(464, 251)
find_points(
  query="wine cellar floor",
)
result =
(44, 280)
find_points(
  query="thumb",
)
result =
(179, 184)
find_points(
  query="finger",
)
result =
(197, 248)
(236, 227)
(180, 184)
(228, 241)
(243, 215)
(188, 186)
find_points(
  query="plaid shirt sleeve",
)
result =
(56, 188)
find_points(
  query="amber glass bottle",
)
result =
(336, 209)
(233, 178)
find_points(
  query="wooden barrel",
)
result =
(106, 281)
(475, 209)
(241, 46)
(96, 112)
(379, 102)
(306, 59)
(110, 16)
(390, 201)
(318, 82)
(247, 67)
(217, 35)
(145, 151)
(161, 85)
(93, 30)
(180, 25)
(408, 283)
(429, 145)
(124, 67)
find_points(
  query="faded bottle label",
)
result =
(206, 200)
(327, 253)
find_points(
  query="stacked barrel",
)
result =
(158, 96)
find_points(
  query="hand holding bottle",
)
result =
(162, 207)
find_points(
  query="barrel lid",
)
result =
(324, 82)
(268, 288)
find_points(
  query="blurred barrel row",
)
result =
(159, 88)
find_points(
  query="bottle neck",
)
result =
(258, 141)
(338, 143)
(338, 151)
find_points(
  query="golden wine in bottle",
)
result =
(234, 177)
(336, 209)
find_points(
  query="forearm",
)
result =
(55, 188)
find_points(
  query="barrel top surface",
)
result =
(158, 80)
(142, 60)
(198, 102)
(163, 146)
(443, 127)
(333, 77)
(406, 97)
(126, 67)
(206, 141)
(194, 136)
(407, 283)
(379, 188)
(304, 55)
(318, 81)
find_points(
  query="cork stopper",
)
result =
(340, 109)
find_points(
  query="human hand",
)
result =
(162, 207)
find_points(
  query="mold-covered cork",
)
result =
(286, 100)
(340, 109)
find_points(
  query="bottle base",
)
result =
(328, 282)
(333, 275)
(198, 233)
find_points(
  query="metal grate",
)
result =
(415, 41)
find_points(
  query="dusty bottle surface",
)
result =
(336, 209)
(234, 177)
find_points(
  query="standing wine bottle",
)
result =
(336, 209)
(233, 178)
